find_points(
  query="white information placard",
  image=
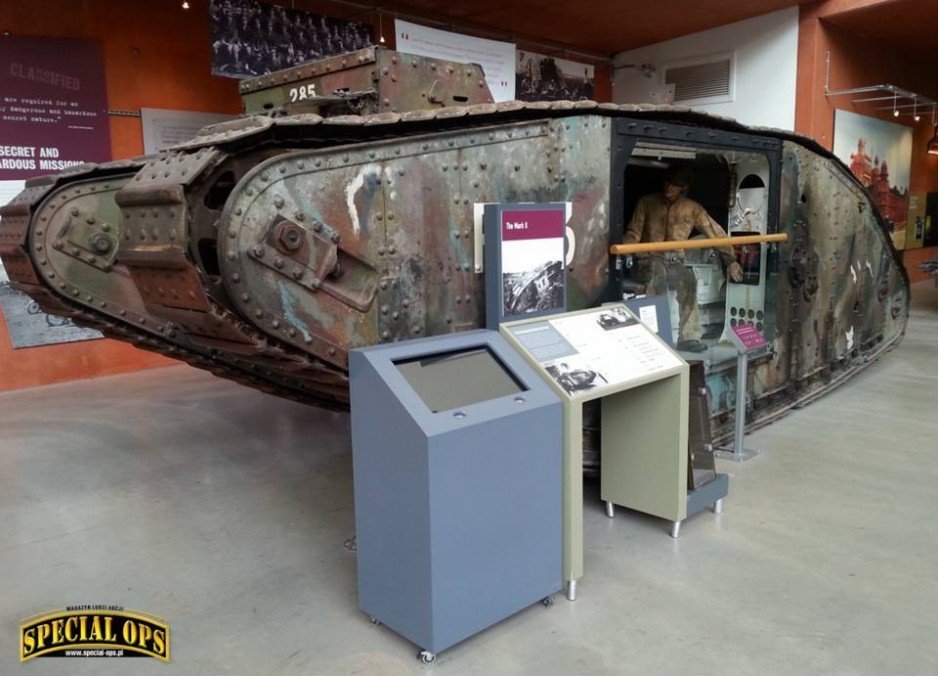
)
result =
(606, 347)
(166, 128)
(496, 58)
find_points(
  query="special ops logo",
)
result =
(94, 631)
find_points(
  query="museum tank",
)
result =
(344, 210)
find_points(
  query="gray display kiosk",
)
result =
(606, 353)
(457, 448)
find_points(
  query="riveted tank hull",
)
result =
(266, 248)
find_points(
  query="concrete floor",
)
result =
(225, 511)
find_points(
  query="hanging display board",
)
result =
(539, 77)
(496, 58)
(53, 115)
(879, 155)
(253, 38)
(166, 128)
(525, 276)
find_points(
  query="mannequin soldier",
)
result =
(671, 216)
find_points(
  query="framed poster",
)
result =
(496, 58)
(251, 38)
(53, 115)
(879, 155)
(915, 228)
(544, 78)
(525, 275)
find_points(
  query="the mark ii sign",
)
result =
(94, 631)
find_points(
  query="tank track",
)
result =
(173, 216)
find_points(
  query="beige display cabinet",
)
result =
(643, 385)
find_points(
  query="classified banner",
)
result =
(53, 106)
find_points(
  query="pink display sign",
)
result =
(533, 224)
(53, 106)
(749, 336)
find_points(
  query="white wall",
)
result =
(766, 49)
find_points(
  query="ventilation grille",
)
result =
(707, 81)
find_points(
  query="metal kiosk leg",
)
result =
(738, 452)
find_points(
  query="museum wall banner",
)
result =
(53, 115)
(496, 58)
(879, 155)
(254, 38)
(539, 77)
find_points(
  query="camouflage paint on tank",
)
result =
(267, 247)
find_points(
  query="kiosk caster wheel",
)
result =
(548, 600)
(426, 656)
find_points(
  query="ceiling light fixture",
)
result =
(932, 146)
(380, 27)
(185, 4)
(895, 111)
(915, 115)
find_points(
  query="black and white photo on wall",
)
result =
(539, 77)
(252, 38)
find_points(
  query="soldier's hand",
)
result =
(736, 272)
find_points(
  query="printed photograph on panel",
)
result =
(879, 154)
(575, 375)
(253, 38)
(544, 78)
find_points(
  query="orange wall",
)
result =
(855, 62)
(155, 55)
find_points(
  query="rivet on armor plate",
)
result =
(392, 250)
(385, 334)
(238, 211)
(282, 168)
(275, 323)
(332, 351)
(395, 315)
(258, 313)
(278, 263)
(384, 285)
(75, 212)
(301, 165)
(316, 282)
(245, 298)
(230, 256)
(232, 234)
(390, 217)
(298, 273)
(278, 201)
(406, 303)
(449, 320)
(258, 251)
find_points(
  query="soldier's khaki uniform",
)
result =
(656, 220)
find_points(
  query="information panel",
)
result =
(585, 351)
(524, 261)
